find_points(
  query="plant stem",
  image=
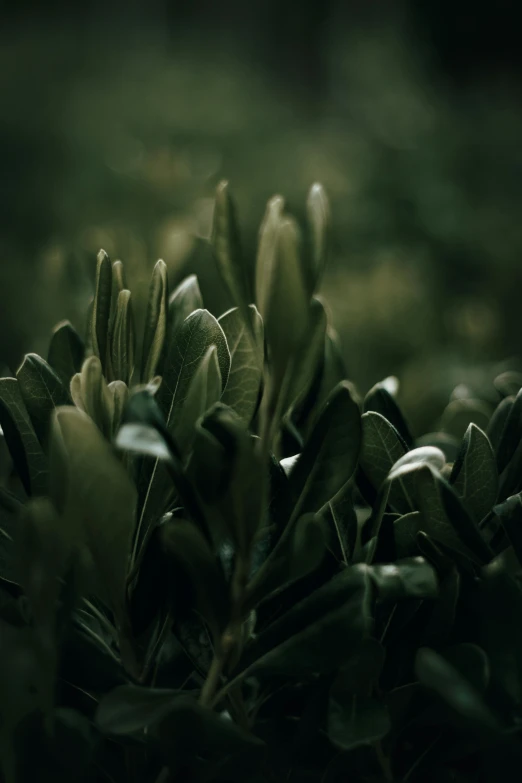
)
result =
(213, 677)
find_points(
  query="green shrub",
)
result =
(219, 564)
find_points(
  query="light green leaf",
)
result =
(227, 248)
(318, 214)
(266, 252)
(155, 322)
(123, 339)
(246, 361)
(66, 351)
(93, 491)
(474, 475)
(183, 301)
(26, 452)
(42, 390)
(101, 310)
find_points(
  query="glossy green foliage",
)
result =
(218, 562)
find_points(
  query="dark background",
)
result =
(119, 118)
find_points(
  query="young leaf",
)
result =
(227, 249)
(23, 445)
(318, 214)
(309, 359)
(155, 322)
(246, 361)
(123, 339)
(287, 307)
(94, 493)
(92, 391)
(66, 352)
(183, 301)
(101, 311)
(119, 283)
(120, 395)
(42, 390)
(474, 475)
(266, 250)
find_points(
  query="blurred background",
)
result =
(118, 118)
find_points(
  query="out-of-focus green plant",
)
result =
(218, 562)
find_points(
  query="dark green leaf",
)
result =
(189, 551)
(309, 359)
(358, 720)
(204, 391)
(510, 514)
(460, 413)
(26, 452)
(435, 673)
(95, 496)
(497, 422)
(266, 252)
(66, 352)
(382, 447)
(246, 361)
(381, 401)
(129, 708)
(474, 475)
(330, 454)
(42, 390)
(286, 315)
(227, 248)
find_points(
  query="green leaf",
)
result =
(318, 214)
(123, 339)
(101, 311)
(95, 495)
(333, 367)
(204, 391)
(183, 301)
(318, 633)
(357, 720)
(119, 283)
(190, 552)
(381, 401)
(437, 674)
(42, 390)
(474, 475)
(90, 393)
(405, 530)
(330, 454)
(191, 342)
(26, 452)
(382, 447)
(129, 709)
(497, 422)
(143, 439)
(227, 249)
(155, 322)
(308, 546)
(309, 359)
(286, 314)
(246, 361)
(510, 514)
(341, 523)
(266, 252)
(120, 395)
(230, 476)
(411, 577)
(66, 351)
(511, 434)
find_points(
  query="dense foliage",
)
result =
(218, 563)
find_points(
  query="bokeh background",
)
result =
(118, 118)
